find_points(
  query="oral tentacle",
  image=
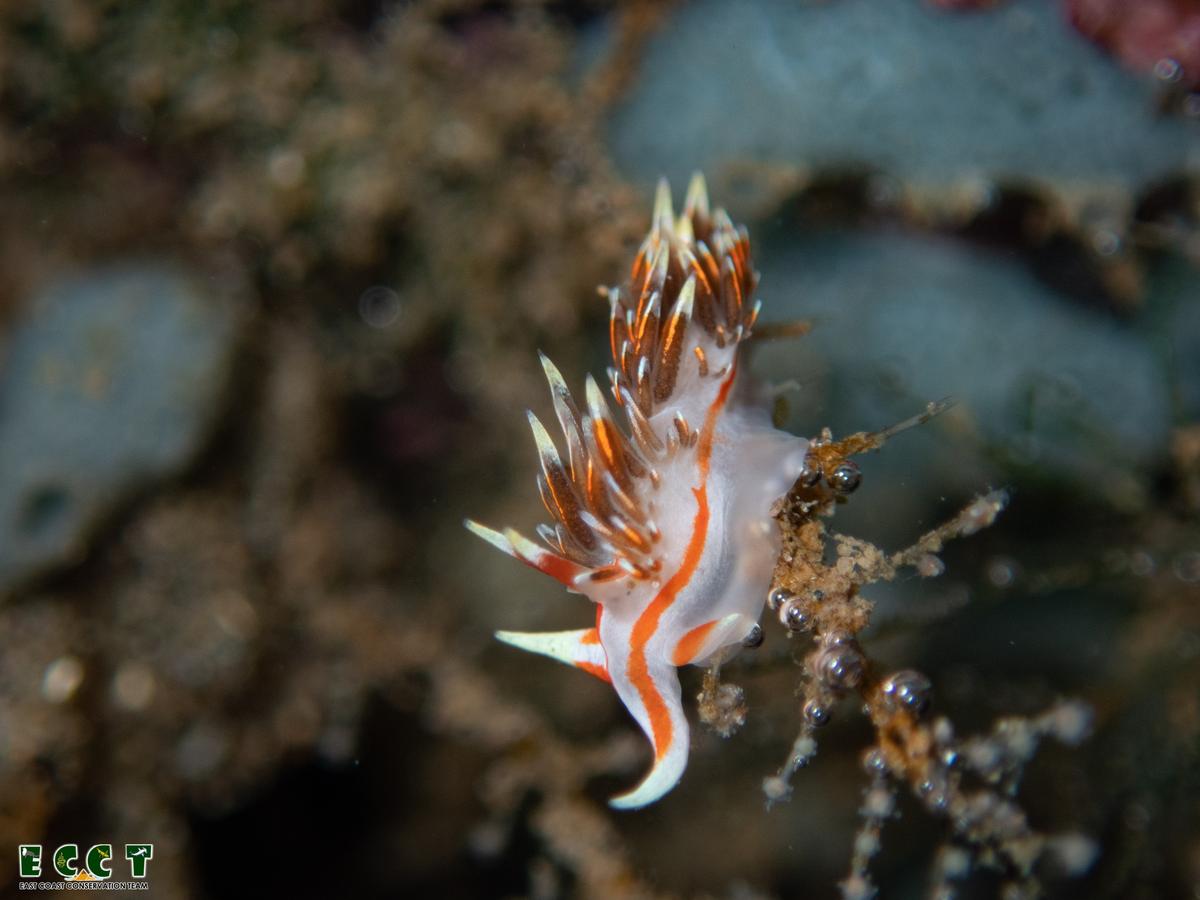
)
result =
(581, 648)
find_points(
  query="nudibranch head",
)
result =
(662, 520)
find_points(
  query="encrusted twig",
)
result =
(975, 516)
(826, 455)
(969, 783)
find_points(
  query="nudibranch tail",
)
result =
(659, 712)
(658, 501)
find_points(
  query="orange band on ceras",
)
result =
(647, 623)
(561, 570)
(593, 669)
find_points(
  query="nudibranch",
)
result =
(663, 523)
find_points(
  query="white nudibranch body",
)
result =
(664, 524)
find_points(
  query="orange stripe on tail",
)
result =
(647, 623)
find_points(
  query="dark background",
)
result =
(272, 279)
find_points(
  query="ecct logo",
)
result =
(95, 865)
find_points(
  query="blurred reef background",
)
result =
(272, 279)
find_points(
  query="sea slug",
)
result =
(663, 521)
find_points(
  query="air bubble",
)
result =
(1142, 564)
(1168, 70)
(840, 667)
(845, 478)
(1002, 572)
(873, 762)
(379, 307)
(816, 714)
(907, 689)
(1106, 242)
(1186, 567)
(810, 474)
(778, 597)
(793, 616)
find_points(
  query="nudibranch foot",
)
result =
(700, 645)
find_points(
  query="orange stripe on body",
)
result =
(690, 644)
(592, 636)
(647, 623)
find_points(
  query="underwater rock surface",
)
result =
(904, 319)
(923, 95)
(110, 383)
